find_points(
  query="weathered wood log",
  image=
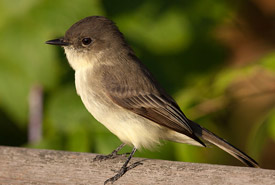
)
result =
(33, 166)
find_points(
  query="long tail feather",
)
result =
(224, 145)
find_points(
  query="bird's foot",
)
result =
(110, 156)
(121, 172)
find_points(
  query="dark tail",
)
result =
(224, 145)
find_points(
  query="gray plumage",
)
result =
(119, 91)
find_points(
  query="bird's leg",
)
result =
(112, 155)
(124, 168)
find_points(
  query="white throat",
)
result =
(81, 59)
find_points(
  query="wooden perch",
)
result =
(33, 166)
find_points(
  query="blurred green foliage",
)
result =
(175, 39)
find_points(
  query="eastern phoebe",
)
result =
(120, 92)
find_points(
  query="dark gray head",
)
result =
(94, 32)
(86, 40)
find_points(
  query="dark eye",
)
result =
(86, 41)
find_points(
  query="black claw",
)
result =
(121, 172)
(103, 157)
(124, 168)
(106, 157)
(134, 165)
(112, 155)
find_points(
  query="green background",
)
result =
(187, 45)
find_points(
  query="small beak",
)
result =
(58, 42)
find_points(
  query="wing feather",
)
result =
(156, 108)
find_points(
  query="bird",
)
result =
(122, 94)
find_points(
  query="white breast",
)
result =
(130, 128)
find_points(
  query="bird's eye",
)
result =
(86, 41)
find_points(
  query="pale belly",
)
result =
(129, 127)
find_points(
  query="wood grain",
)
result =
(33, 166)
